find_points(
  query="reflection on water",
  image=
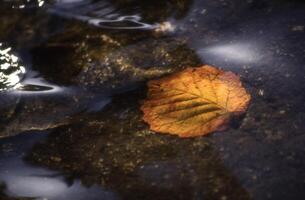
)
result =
(25, 4)
(37, 86)
(122, 22)
(236, 52)
(23, 180)
(12, 76)
(126, 15)
(11, 71)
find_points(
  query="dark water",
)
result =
(72, 78)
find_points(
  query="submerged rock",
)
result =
(99, 67)
(111, 64)
(94, 63)
(115, 150)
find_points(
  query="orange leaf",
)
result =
(194, 102)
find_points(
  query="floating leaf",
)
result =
(194, 102)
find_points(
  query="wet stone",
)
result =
(137, 165)
(101, 61)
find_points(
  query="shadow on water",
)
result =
(73, 76)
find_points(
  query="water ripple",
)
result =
(123, 22)
(100, 14)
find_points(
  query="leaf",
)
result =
(194, 102)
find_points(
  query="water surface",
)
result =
(73, 74)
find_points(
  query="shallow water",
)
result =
(72, 78)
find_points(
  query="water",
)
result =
(72, 78)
